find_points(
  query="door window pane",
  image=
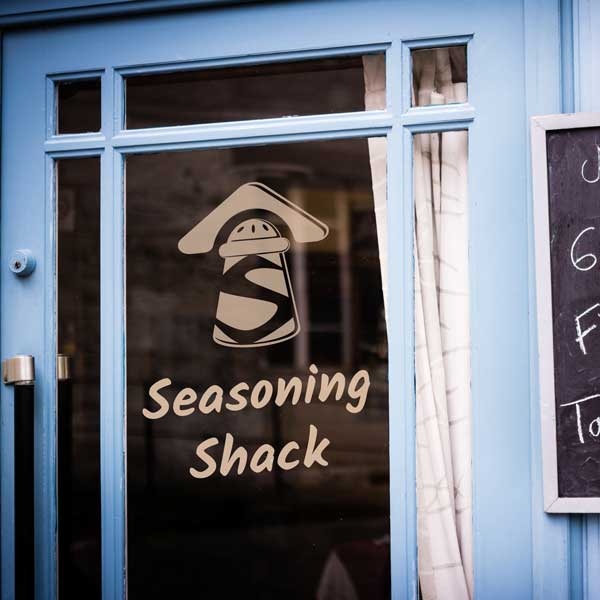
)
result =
(333, 85)
(252, 272)
(78, 244)
(439, 75)
(442, 363)
(78, 109)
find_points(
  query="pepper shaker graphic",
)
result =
(256, 305)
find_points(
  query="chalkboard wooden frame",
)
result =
(540, 126)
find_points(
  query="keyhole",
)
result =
(17, 264)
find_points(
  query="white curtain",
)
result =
(374, 73)
(442, 353)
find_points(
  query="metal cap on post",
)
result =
(18, 370)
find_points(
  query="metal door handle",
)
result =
(63, 367)
(18, 370)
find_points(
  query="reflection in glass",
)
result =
(78, 109)
(78, 441)
(244, 528)
(332, 85)
(439, 75)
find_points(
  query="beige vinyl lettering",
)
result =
(282, 459)
(201, 452)
(159, 399)
(314, 453)
(284, 389)
(358, 388)
(235, 393)
(262, 460)
(310, 384)
(185, 397)
(205, 406)
(263, 388)
(327, 385)
(229, 458)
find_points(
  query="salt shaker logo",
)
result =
(256, 305)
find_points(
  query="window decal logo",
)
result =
(256, 305)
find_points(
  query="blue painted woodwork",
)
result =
(523, 56)
(24, 12)
(551, 561)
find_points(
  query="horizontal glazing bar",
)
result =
(438, 42)
(439, 127)
(419, 120)
(78, 141)
(436, 114)
(249, 130)
(252, 141)
(75, 76)
(75, 153)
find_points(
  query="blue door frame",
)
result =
(515, 69)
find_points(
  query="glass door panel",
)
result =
(78, 391)
(257, 388)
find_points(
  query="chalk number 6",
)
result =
(590, 259)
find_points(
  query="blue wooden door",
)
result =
(102, 56)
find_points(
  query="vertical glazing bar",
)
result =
(45, 408)
(401, 341)
(112, 357)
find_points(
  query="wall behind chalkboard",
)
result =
(573, 171)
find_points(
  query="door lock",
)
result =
(18, 370)
(22, 263)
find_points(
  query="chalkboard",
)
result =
(566, 176)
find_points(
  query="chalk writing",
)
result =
(577, 404)
(590, 256)
(573, 179)
(581, 334)
(597, 166)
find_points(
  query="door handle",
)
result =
(63, 367)
(19, 370)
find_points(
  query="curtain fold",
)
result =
(442, 338)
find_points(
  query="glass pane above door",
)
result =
(309, 87)
(78, 107)
(257, 398)
(439, 75)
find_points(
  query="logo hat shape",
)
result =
(264, 311)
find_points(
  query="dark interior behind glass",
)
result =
(269, 535)
(78, 106)
(311, 87)
(78, 401)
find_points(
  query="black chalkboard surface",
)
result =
(565, 153)
(574, 223)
